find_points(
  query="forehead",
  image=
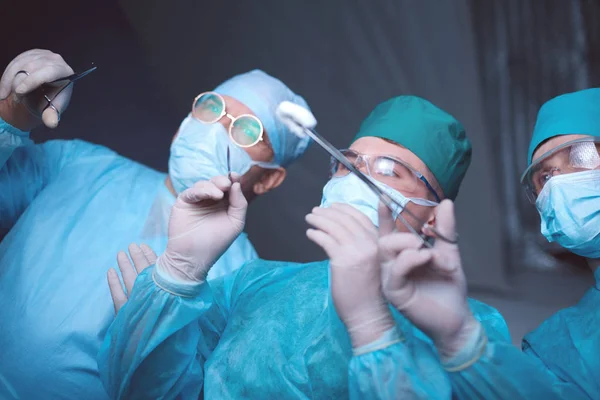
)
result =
(377, 146)
(553, 143)
(236, 107)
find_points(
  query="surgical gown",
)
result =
(559, 360)
(68, 207)
(269, 331)
(567, 345)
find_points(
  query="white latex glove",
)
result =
(350, 240)
(143, 257)
(204, 222)
(295, 117)
(428, 286)
(42, 66)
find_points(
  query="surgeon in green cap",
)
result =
(350, 326)
(560, 358)
(563, 181)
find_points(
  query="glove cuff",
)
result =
(178, 287)
(389, 337)
(470, 352)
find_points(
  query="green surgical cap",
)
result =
(432, 134)
(571, 113)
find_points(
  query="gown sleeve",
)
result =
(160, 339)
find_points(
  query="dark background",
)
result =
(344, 57)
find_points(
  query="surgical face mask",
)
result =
(569, 206)
(349, 189)
(199, 153)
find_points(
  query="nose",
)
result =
(227, 120)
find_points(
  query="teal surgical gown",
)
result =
(567, 345)
(560, 359)
(68, 207)
(267, 331)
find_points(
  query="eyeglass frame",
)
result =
(531, 194)
(224, 113)
(367, 157)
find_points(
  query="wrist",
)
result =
(16, 114)
(386, 339)
(181, 268)
(470, 353)
(451, 345)
(164, 279)
(367, 324)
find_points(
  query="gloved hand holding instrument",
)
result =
(42, 83)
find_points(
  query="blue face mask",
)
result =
(349, 189)
(199, 153)
(569, 206)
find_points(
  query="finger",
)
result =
(127, 271)
(449, 266)
(238, 205)
(149, 254)
(359, 217)
(236, 177)
(341, 217)
(116, 290)
(331, 227)
(397, 271)
(43, 75)
(16, 65)
(222, 182)
(203, 190)
(323, 240)
(395, 243)
(51, 115)
(140, 262)
(445, 223)
(387, 224)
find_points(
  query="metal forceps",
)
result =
(384, 197)
(44, 90)
(229, 164)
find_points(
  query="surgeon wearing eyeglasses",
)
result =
(372, 321)
(66, 201)
(564, 181)
(560, 358)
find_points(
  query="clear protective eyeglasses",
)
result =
(574, 156)
(385, 169)
(245, 130)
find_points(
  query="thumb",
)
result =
(238, 205)
(445, 225)
(386, 220)
(203, 190)
(51, 117)
(58, 105)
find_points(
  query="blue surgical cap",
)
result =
(568, 114)
(262, 93)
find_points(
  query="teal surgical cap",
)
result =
(432, 134)
(262, 93)
(576, 113)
